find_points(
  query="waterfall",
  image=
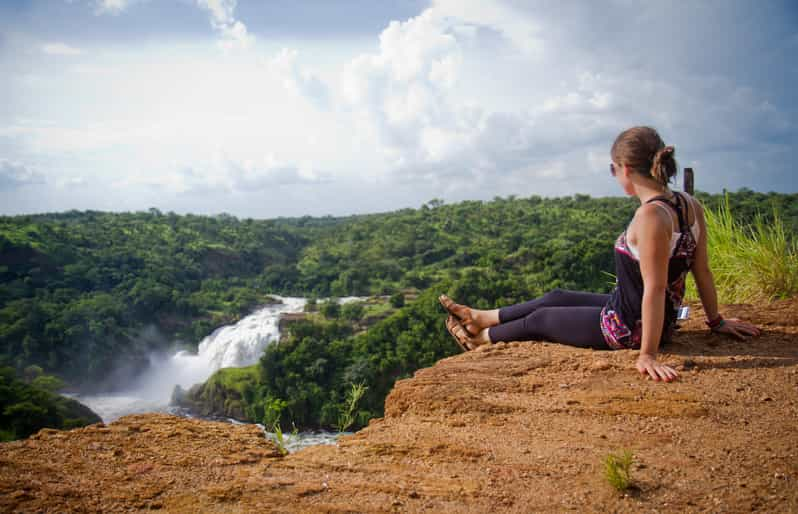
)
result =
(231, 346)
(240, 344)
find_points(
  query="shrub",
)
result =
(48, 383)
(330, 309)
(352, 311)
(311, 305)
(397, 300)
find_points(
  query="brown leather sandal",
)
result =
(458, 332)
(455, 309)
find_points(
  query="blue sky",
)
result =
(285, 108)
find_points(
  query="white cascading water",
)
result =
(235, 345)
(243, 343)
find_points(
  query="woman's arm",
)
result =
(706, 285)
(700, 268)
(653, 228)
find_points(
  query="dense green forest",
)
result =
(77, 289)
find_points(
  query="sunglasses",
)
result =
(612, 169)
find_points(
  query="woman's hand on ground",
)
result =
(648, 365)
(736, 328)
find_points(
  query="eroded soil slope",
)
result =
(515, 427)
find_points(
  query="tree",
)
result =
(352, 311)
(330, 309)
(397, 300)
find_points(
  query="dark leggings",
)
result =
(560, 316)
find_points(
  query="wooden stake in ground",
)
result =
(688, 181)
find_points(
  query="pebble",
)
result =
(600, 365)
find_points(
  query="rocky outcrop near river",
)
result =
(517, 427)
(222, 395)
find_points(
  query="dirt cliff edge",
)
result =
(517, 427)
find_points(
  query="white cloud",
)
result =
(518, 25)
(72, 182)
(60, 49)
(234, 33)
(111, 6)
(300, 81)
(14, 175)
(47, 138)
(401, 94)
(408, 96)
(255, 175)
(152, 114)
(221, 173)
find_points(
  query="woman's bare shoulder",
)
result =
(651, 219)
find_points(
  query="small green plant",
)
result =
(273, 411)
(279, 440)
(347, 417)
(617, 469)
(271, 418)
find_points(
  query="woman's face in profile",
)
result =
(621, 174)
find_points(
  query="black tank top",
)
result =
(621, 318)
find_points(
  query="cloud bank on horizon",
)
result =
(285, 109)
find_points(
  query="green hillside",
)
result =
(77, 288)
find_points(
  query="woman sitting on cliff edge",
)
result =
(666, 238)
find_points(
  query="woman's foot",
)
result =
(461, 336)
(467, 317)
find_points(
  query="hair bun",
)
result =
(643, 150)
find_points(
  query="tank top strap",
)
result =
(676, 203)
(681, 212)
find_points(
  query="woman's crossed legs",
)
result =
(560, 316)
